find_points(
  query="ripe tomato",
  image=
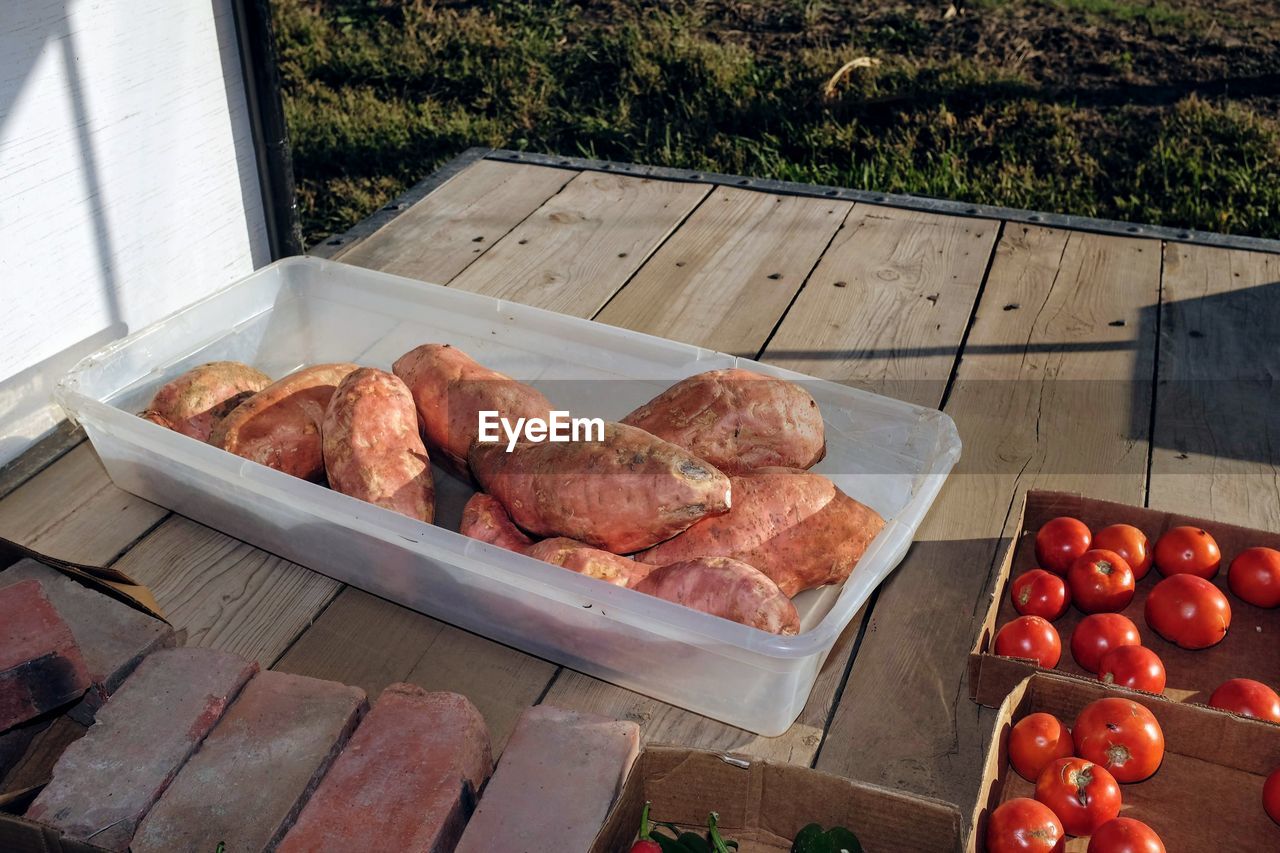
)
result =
(1125, 835)
(1248, 698)
(1024, 826)
(1083, 795)
(1187, 550)
(1100, 581)
(1133, 666)
(1122, 736)
(1254, 576)
(1129, 542)
(1040, 593)
(1036, 740)
(1271, 795)
(1030, 637)
(1098, 634)
(1060, 541)
(1189, 611)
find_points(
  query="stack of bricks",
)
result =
(197, 748)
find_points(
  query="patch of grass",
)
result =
(380, 93)
(1155, 14)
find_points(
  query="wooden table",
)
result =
(1130, 368)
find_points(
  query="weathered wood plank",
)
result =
(224, 593)
(440, 236)
(961, 268)
(1053, 390)
(1217, 425)
(888, 302)
(726, 277)
(71, 510)
(580, 247)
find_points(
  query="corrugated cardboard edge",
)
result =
(1192, 730)
(771, 801)
(108, 581)
(991, 677)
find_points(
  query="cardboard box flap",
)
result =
(764, 805)
(106, 580)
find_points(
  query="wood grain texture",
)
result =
(1058, 327)
(224, 593)
(580, 247)
(440, 236)
(888, 303)
(71, 510)
(1217, 425)
(662, 723)
(726, 277)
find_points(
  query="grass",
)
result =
(378, 94)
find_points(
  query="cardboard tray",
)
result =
(1207, 795)
(762, 805)
(1251, 648)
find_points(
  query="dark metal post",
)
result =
(266, 118)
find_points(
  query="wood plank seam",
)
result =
(1155, 377)
(805, 283)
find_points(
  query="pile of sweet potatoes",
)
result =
(701, 496)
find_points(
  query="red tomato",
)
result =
(1100, 581)
(1271, 795)
(1248, 698)
(1024, 826)
(1036, 740)
(1129, 542)
(1125, 835)
(1133, 666)
(1083, 795)
(1122, 736)
(1030, 637)
(1100, 633)
(1060, 541)
(1187, 551)
(1040, 593)
(1189, 611)
(1254, 576)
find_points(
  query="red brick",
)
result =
(41, 667)
(557, 779)
(406, 781)
(113, 637)
(105, 782)
(255, 770)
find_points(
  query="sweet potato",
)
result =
(724, 587)
(372, 449)
(737, 420)
(622, 494)
(795, 526)
(280, 425)
(450, 389)
(486, 519)
(585, 560)
(196, 401)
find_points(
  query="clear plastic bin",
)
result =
(891, 455)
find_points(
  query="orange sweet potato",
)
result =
(486, 519)
(737, 420)
(372, 449)
(795, 526)
(724, 587)
(196, 401)
(280, 425)
(450, 389)
(622, 494)
(585, 560)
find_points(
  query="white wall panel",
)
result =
(128, 185)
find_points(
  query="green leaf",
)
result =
(811, 839)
